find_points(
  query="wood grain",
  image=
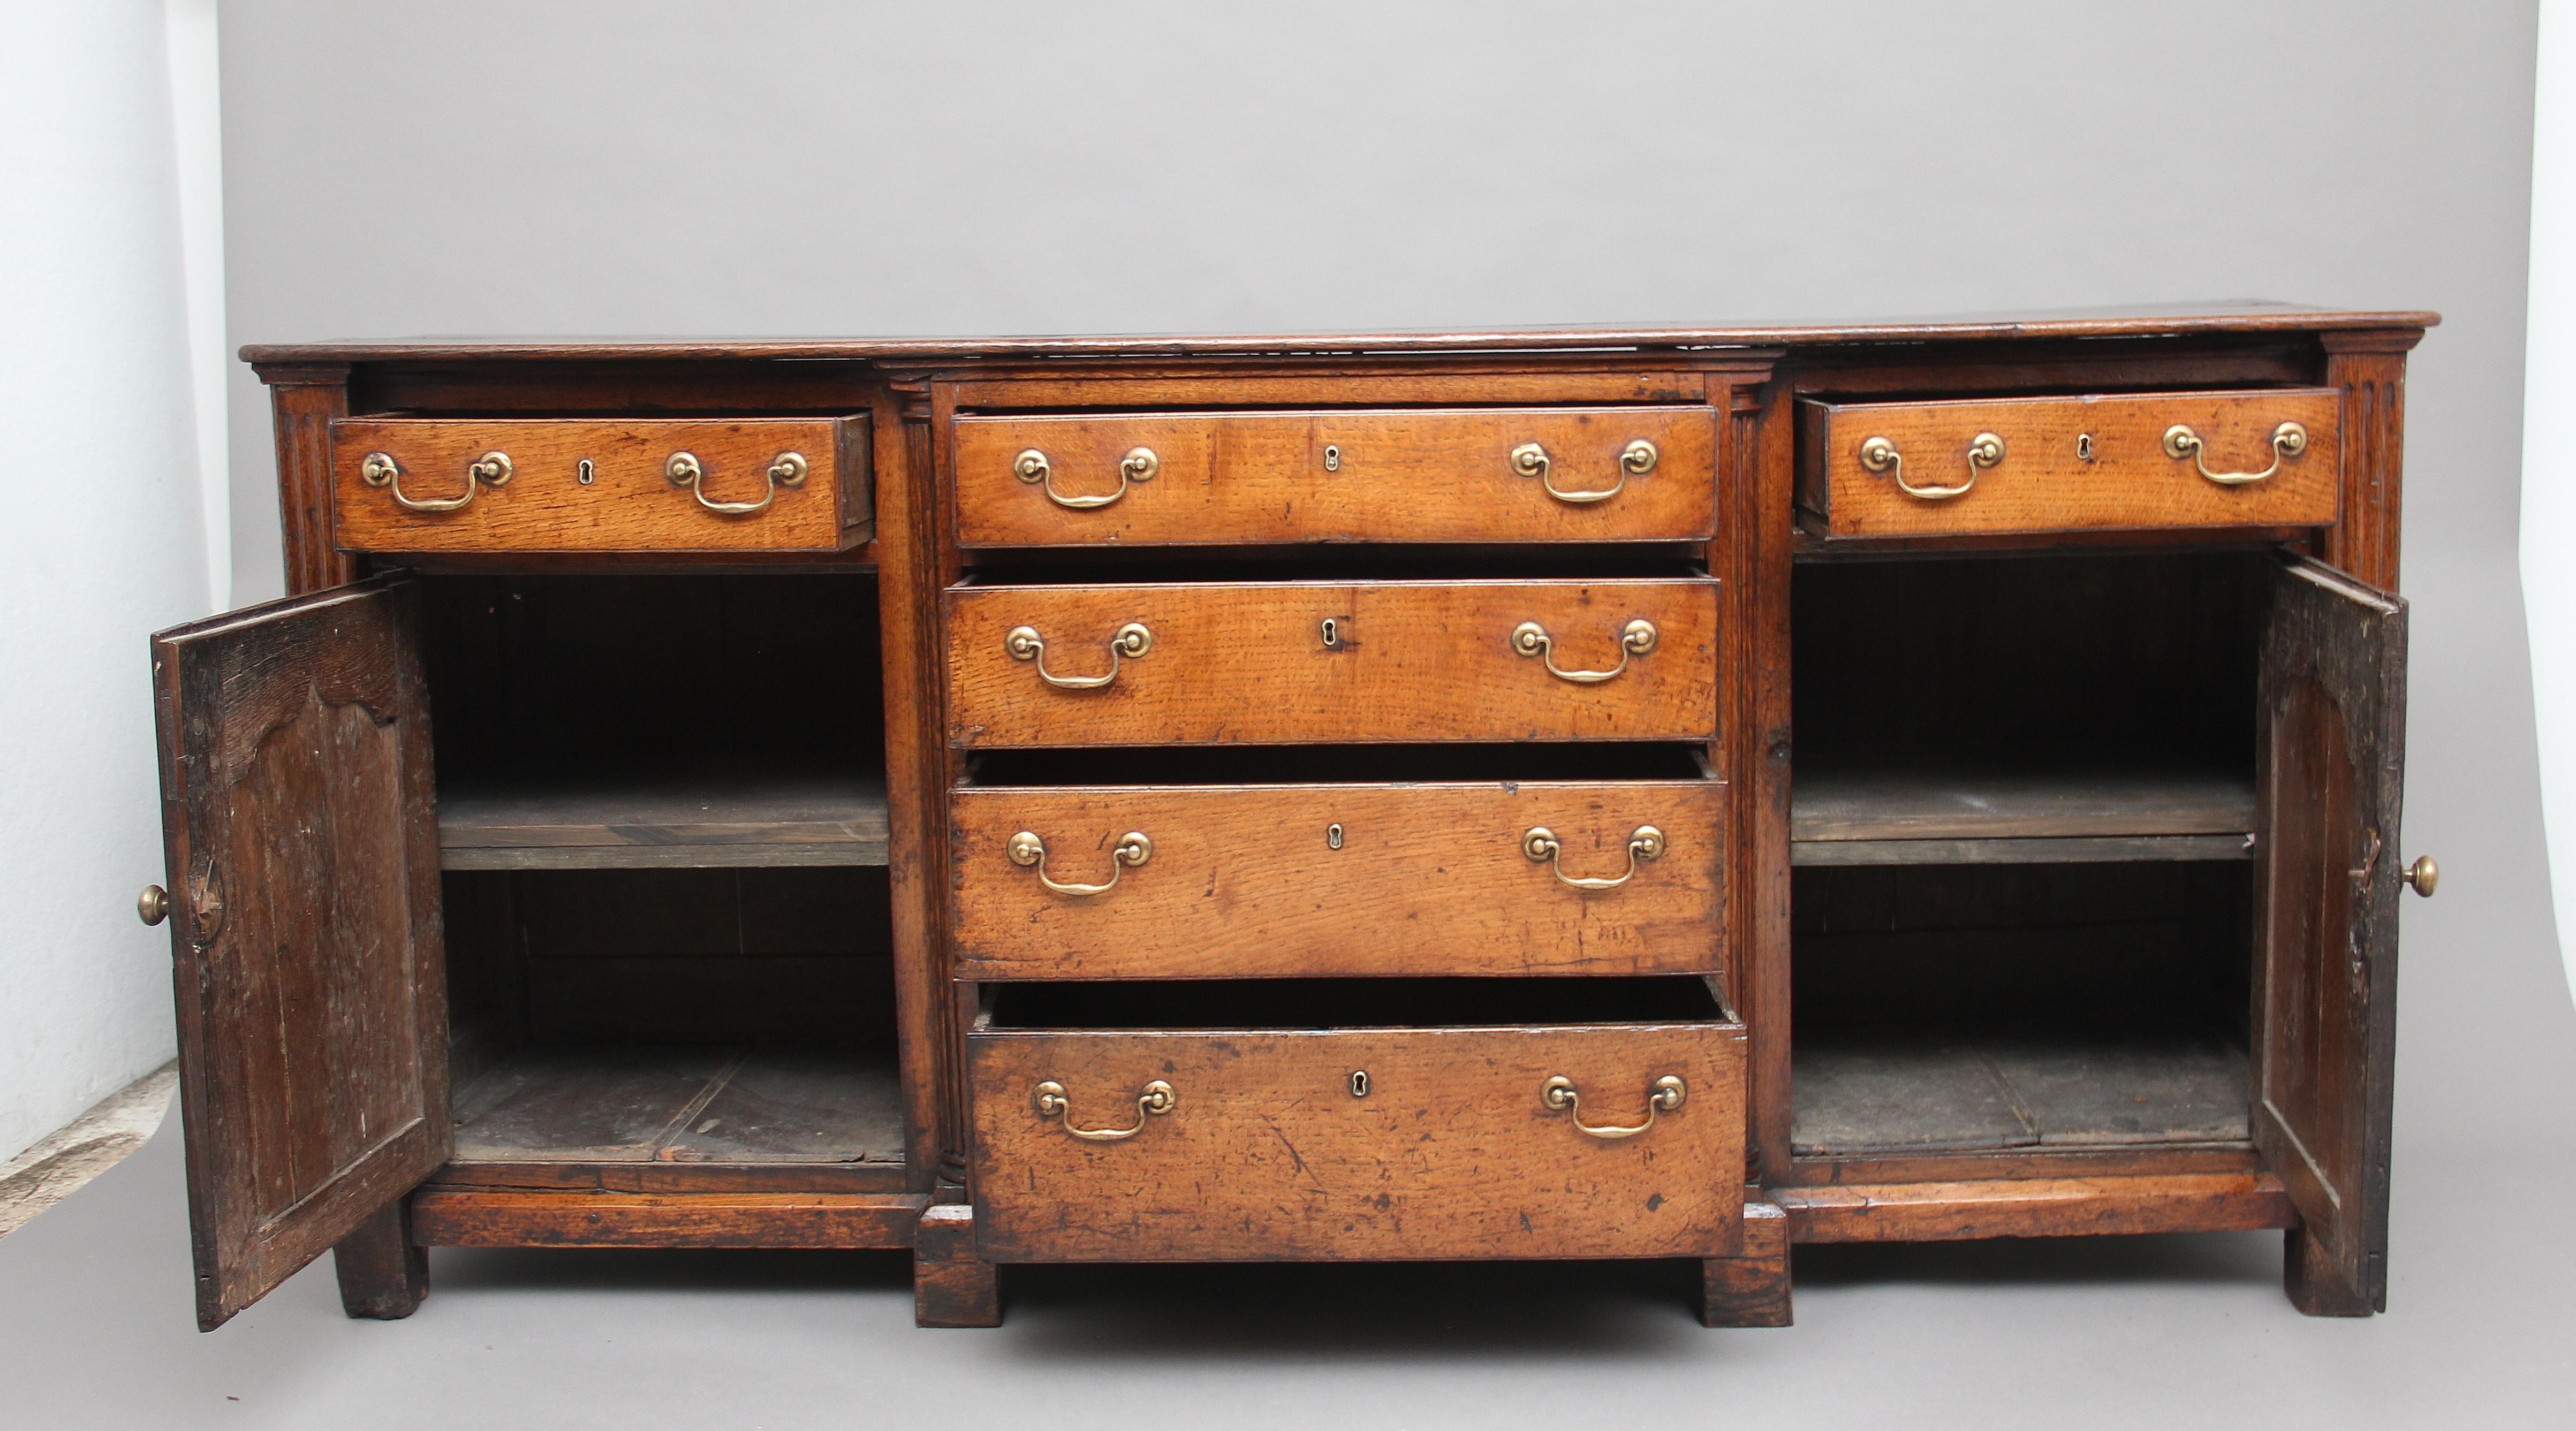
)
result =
(304, 400)
(2193, 321)
(2042, 485)
(2330, 785)
(488, 1217)
(1429, 879)
(383, 1273)
(310, 974)
(1750, 1289)
(630, 506)
(951, 1285)
(2073, 850)
(1267, 1155)
(2035, 1207)
(1417, 661)
(1424, 475)
(657, 821)
(1930, 803)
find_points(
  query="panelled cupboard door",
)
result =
(304, 927)
(2329, 768)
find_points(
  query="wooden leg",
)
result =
(1751, 1290)
(382, 1275)
(2315, 1284)
(951, 1286)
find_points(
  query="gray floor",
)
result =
(95, 1331)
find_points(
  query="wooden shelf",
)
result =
(1949, 1090)
(1978, 817)
(665, 822)
(683, 1104)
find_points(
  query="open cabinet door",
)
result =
(304, 927)
(2328, 773)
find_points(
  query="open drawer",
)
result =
(2259, 458)
(438, 484)
(1393, 1119)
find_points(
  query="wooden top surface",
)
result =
(2190, 320)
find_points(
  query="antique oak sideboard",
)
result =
(1576, 793)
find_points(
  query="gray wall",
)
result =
(626, 168)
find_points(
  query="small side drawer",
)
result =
(2128, 462)
(1257, 1142)
(1586, 474)
(1256, 881)
(601, 484)
(1293, 663)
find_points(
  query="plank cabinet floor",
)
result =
(1667, 793)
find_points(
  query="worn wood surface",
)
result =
(2154, 667)
(914, 568)
(2076, 850)
(2189, 321)
(951, 1286)
(491, 1217)
(2042, 483)
(682, 1104)
(658, 820)
(2370, 368)
(1267, 1155)
(383, 1273)
(2036, 1207)
(1750, 1289)
(1246, 663)
(1427, 475)
(1949, 1089)
(304, 400)
(1931, 803)
(1244, 881)
(2330, 780)
(629, 505)
(303, 870)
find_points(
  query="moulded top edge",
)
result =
(2205, 320)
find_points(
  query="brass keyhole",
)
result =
(2084, 447)
(1359, 1083)
(585, 472)
(1332, 633)
(1332, 459)
(1333, 836)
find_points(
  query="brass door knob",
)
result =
(2424, 875)
(153, 904)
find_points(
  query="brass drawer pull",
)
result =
(1880, 455)
(1153, 1100)
(787, 469)
(379, 469)
(1126, 643)
(1029, 852)
(1540, 844)
(1139, 465)
(1635, 639)
(1635, 460)
(2288, 440)
(2422, 877)
(1665, 1096)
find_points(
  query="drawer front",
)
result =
(2120, 463)
(1285, 663)
(1265, 1153)
(1591, 877)
(458, 485)
(1468, 475)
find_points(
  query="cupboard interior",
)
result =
(2024, 708)
(2021, 829)
(662, 824)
